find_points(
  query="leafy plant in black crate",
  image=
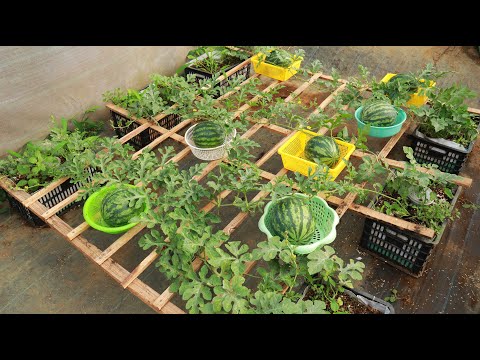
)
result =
(447, 117)
(410, 194)
(41, 162)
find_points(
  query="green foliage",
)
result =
(215, 59)
(446, 116)
(281, 57)
(62, 153)
(393, 296)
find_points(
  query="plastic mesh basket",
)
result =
(293, 156)
(212, 153)
(93, 215)
(326, 220)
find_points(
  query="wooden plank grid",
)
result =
(161, 302)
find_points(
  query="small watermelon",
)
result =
(324, 149)
(379, 113)
(208, 134)
(406, 81)
(293, 216)
(115, 207)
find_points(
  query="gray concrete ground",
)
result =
(42, 273)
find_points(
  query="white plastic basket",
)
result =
(208, 153)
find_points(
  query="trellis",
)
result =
(161, 302)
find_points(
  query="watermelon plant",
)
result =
(215, 59)
(446, 116)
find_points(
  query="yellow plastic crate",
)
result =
(293, 156)
(415, 99)
(273, 71)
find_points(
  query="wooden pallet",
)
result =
(161, 302)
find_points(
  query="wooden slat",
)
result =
(376, 215)
(459, 180)
(77, 231)
(37, 195)
(473, 110)
(54, 209)
(134, 132)
(227, 94)
(328, 77)
(231, 71)
(140, 268)
(117, 245)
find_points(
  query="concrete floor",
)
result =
(42, 273)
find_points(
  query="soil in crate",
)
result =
(350, 305)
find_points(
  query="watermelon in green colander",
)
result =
(292, 216)
(323, 149)
(379, 113)
(115, 207)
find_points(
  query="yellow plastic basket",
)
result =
(293, 156)
(415, 99)
(273, 71)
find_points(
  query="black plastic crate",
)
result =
(124, 125)
(49, 200)
(405, 250)
(430, 151)
(200, 75)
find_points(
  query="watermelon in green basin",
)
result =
(115, 210)
(293, 216)
(208, 134)
(379, 113)
(323, 149)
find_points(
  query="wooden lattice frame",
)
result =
(161, 302)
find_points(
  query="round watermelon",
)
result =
(324, 149)
(379, 113)
(407, 81)
(293, 216)
(115, 207)
(208, 134)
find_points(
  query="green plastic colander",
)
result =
(326, 220)
(93, 215)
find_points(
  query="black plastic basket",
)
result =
(431, 151)
(124, 125)
(49, 200)
(403, 249)
(200, 75)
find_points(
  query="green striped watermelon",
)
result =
(293, 216)
(406, 81)
(323, 149)
(379, 113)
(115, 210)
(208, 134)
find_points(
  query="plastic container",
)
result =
(273, 71)
(208, 154)
(326, 220)
(49, 200)
(123, 125)
(92, 211)
(403, 249)
(415, 99)
(448, 155)
(293, 156)
(382, 131)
